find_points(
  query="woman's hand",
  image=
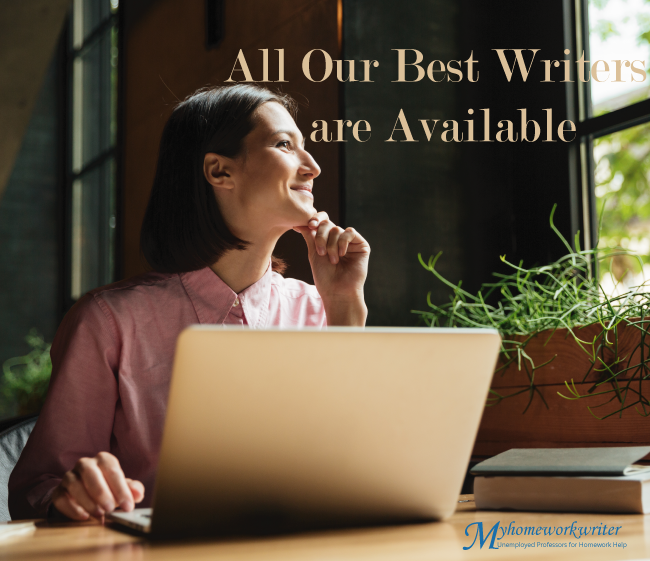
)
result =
(339, 263)
(95, 486)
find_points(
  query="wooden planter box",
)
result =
(566, 423)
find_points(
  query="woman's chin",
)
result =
(299, 214)
(304, 202)
(307, 212)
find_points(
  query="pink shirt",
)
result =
(111, 368)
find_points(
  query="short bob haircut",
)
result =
(183, 228)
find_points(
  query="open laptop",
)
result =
(292, 429)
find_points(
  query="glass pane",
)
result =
(93, 229)
(113, 91)
(94, 81)
(623, 187)
(87, 16)
(619, 35)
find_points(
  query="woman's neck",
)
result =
(241, 268)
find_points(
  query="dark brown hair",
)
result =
(183, 229)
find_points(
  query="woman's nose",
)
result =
(308, 166)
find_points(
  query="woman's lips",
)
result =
(304, 191)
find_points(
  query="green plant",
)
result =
(26, 378)
(564, 294)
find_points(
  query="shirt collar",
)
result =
(212, 298)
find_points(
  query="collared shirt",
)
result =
(111, 367)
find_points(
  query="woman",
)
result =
(232, 177)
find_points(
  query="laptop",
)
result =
(274, 430)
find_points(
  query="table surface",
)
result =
(435, 540)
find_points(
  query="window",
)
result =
(615, 133)
(93, 68)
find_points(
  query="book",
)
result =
(565, 480)
(609, 461)
(625, 494)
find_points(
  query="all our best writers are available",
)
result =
(513, 63)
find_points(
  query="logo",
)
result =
(479, 535)
(574, 533)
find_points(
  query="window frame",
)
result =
(590, 128)
(70, 53)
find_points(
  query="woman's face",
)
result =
(269, 188)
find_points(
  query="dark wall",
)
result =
(511, 188)
(473, 201)
(29, 231)
(403, 197)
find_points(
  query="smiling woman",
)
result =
(233, 175)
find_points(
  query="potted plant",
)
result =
(26, 378)
(564, 342)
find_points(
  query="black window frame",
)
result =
(588, 127)
(68, 54)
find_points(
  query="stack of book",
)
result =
(565, 480)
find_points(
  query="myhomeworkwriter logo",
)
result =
(494, 535)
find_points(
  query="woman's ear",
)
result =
(216, 170)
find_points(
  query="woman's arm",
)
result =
(77, 418)
(339, 263)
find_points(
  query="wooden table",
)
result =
(439, 540)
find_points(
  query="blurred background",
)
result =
(87, 85)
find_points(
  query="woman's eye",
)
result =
(285, 143)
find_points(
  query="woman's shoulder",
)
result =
(143, 280)
(294, 288)
(106, 307)
(129, 294)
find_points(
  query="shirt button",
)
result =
(236, 302)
